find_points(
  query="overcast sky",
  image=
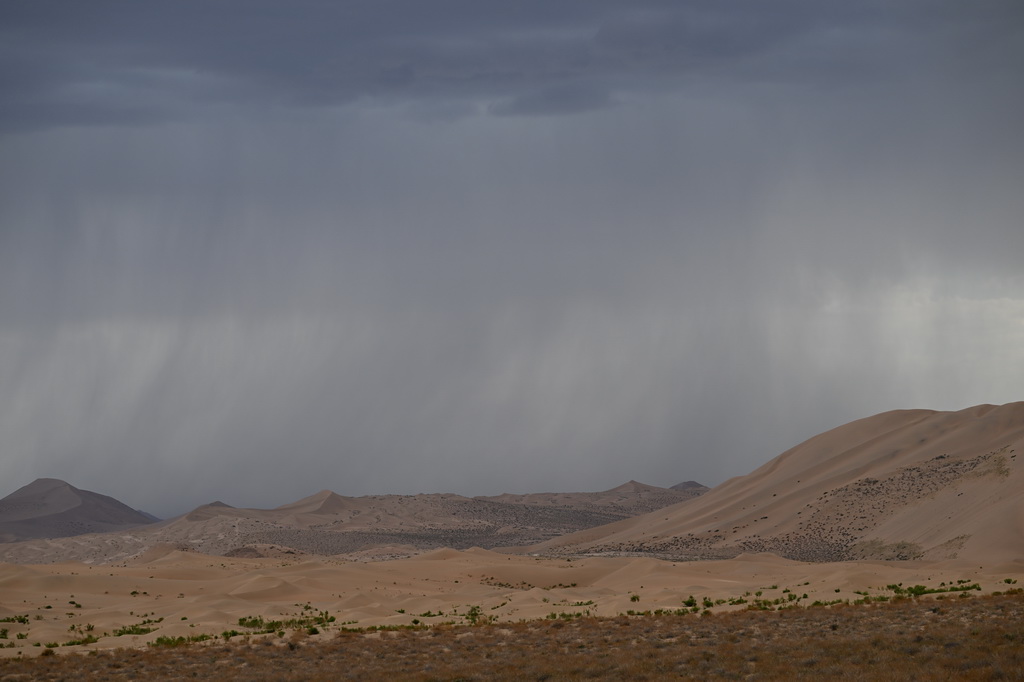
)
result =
(250, 250)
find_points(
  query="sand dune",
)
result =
(899, 485)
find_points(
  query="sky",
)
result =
(251, 250)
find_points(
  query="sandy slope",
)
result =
(903, 484)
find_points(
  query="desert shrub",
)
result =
(88, 639)
(139, 629)
(164, 641)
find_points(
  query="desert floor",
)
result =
(924, 638)
(186, 595)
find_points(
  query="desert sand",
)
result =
(182, 594)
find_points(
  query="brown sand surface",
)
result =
(183, 594)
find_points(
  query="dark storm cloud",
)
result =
(251, 250)
(110, 62)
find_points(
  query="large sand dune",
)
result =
(899, 485)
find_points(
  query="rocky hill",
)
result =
(629, 499)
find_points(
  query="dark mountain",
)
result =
(51, 508)
(685, 486)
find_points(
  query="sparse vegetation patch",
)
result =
(911, 638)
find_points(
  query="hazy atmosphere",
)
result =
(251, 250)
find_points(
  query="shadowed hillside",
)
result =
(50, 508)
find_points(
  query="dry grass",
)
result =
(976, 638)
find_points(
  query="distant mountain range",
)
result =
(325, 523)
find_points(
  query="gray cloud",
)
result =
(567, 99)
(248, 251)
